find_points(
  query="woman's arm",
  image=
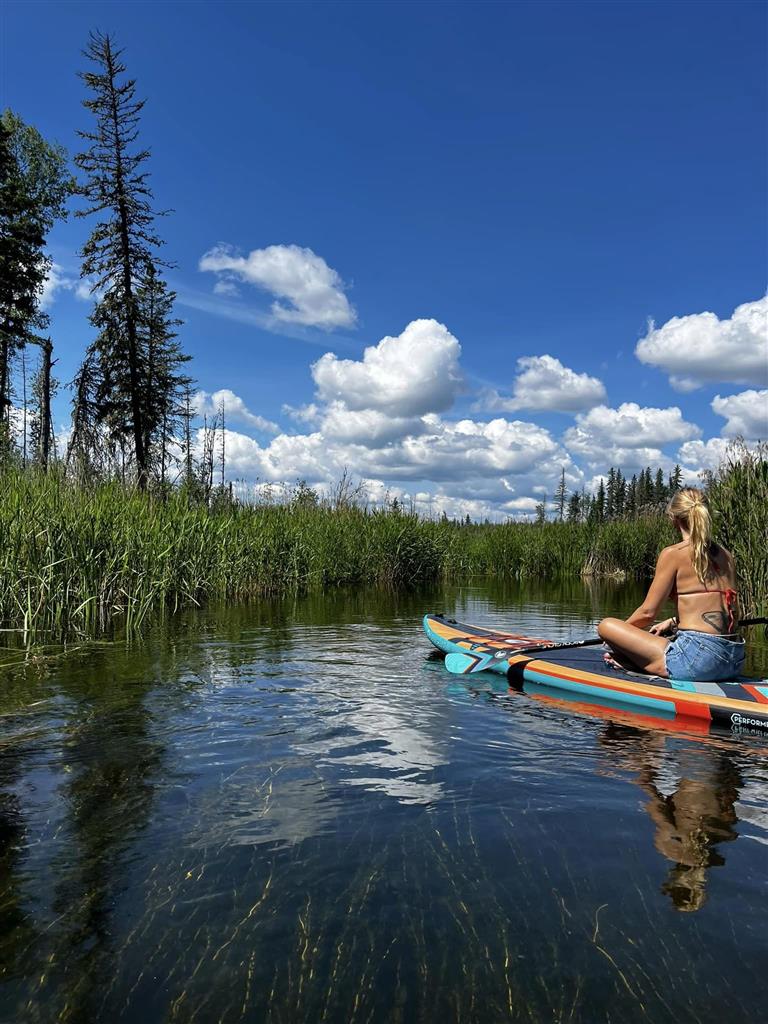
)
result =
(658, 592)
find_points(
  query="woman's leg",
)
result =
(646, 650)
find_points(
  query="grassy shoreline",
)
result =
(76, 560)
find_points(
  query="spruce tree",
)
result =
(597, 512)
(644, 489)
(186, 419)
(574, 508)
(122, 245)
(34, 187)
(84, 449)
(630, 503)
(659, 487)
(561, 494)
(586, 504)
(610, 494)
(621, 494)
(163, 384)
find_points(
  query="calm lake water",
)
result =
(289, 812)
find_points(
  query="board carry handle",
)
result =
(461, 664)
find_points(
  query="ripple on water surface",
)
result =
(290, 812)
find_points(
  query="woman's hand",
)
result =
(664, 627)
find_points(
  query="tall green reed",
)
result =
(738, 496)
(78, 559)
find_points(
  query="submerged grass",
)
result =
(75, 559)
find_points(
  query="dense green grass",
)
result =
(738, 495)
(75, 560)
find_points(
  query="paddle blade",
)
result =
(463, 664)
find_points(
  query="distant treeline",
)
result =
(77, 559)
(616, 497)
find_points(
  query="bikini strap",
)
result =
(730, 603)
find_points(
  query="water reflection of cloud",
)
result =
(405, 754)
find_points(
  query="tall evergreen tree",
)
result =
(621, 494)
(122, 245)
(163, 384)
(659, 487)
(85, 450)
(34, 187)
(610, 494)
(644, 489)
(586, 505)
(186, 419)
(675, 480)
(561, 495)
(630, 503)
(597, 511)
(574, 508)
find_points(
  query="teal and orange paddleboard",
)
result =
(741, 706)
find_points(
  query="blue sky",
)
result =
(531, 180)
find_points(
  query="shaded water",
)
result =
(288, 812)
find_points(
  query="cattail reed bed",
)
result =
(79, 559)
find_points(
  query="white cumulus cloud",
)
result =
(412, 374)
(700, 347)
(366, 426)
(746, 414)
(478, 459)
(697, 456)
(235, 409)
(629, 426)
(381, 418)
(307, 291)
(543, 383)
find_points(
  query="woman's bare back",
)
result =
(703, 607)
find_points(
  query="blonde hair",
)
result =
(689, 508)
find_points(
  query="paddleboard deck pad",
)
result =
(741, 705)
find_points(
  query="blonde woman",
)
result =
(701, 642)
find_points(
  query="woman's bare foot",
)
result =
(613, 661)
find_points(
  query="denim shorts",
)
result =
(694, 655)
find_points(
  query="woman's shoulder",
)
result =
(674, 550)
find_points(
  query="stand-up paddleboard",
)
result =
(741, 705)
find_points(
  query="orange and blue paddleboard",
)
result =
(580, 671)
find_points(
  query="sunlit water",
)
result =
(289, 812)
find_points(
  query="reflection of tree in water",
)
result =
(17, 930)
(104, 760)
(691, 820)
(113, 761)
